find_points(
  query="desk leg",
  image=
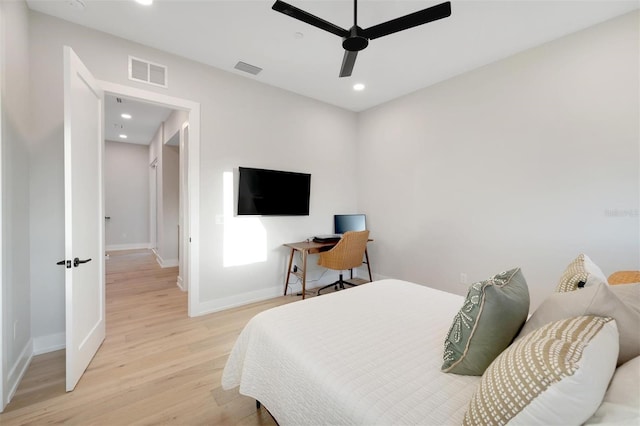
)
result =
(304, 273)
(286, 283)
(366, 256)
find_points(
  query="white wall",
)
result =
(170, 168)
(168, 250)
(519, 163)
(244, 123)
(173, 124)
(155, 189)
(516, 163)
(126, 195)
(16, 121)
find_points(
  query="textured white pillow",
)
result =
(621, 404)
(557, 374)
(581, 272)
(600, 300)
(595, 273)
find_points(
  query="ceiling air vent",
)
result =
(147, 72)
(251, 69)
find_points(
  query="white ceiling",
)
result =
(140, 128)
(221, 33)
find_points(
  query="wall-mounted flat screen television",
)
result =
(273, 192)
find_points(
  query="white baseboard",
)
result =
(165, 263)
(378, 277)
(49, 343)
(180, 284)
(169, 263)
(237, 300)
(19, 369)
(133, 246)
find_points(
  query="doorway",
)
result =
(189, 188)
(192, 196)
(133, 132)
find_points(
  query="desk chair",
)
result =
(624, 277)
(347, 254)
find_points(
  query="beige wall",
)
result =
(525, 162)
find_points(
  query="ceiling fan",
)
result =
(356, 39)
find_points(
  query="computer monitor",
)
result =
(349, 222)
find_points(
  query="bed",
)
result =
(373, 355)
(305, 365)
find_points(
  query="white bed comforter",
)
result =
(368, 355)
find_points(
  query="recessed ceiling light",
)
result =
(126, 116)
(123, 136)
(145, 2)
(358, 86)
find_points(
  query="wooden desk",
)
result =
(307, 248)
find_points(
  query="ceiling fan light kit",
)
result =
(356, 39)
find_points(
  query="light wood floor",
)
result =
(156, 366)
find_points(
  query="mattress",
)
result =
(367, 355)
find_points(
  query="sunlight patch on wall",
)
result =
(245, 239)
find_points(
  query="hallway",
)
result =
(156, 364)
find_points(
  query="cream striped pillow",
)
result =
(582, 272)
(557, 374)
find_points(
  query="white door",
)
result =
(83, 216)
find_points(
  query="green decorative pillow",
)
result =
(491, 316)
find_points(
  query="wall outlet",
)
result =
(463, 278)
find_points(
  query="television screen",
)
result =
(349, 222)
(273, 192)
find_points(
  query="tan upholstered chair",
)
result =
(347, 254)
(624, 277)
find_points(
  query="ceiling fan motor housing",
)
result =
(355, 42)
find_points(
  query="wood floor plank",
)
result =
(156, 365)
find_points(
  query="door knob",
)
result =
(77, 262)
(66, 263)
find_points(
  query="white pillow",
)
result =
(621, 404)
(558, 374)
(595, 273)
(600, 300)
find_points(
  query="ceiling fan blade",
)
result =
(301, 15)
(348, 61)
(430, 14)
